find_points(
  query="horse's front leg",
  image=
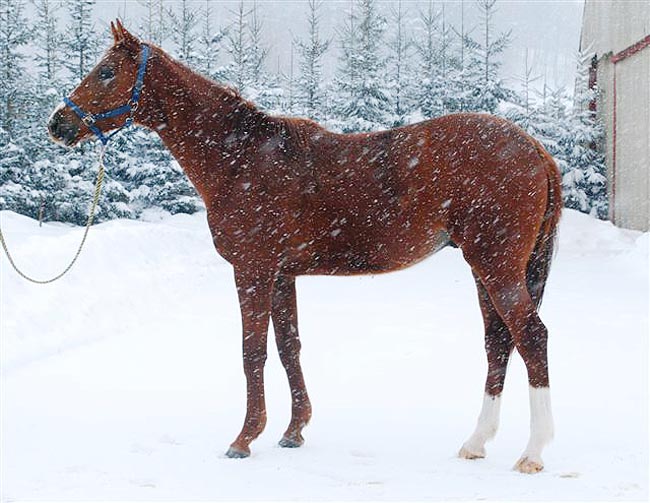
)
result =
(254, 290)
(284, 314)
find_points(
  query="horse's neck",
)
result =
(195, 118)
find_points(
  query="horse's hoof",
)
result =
(467, 453)
(526, 465)
(235, 453)
(290, 443)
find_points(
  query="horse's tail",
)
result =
(539, 263)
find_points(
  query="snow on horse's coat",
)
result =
(286, 197)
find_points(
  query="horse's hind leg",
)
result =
(284, 314)
(510, 297)
(498, 346)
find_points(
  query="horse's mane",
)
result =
(295, 131)
(193, 80)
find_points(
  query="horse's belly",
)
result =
(407, 252)
(392, 253)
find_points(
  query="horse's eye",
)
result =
(106, 73)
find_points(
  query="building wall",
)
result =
(614, 25)
(609, 28)
(632, 180)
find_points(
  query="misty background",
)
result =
(548, 30)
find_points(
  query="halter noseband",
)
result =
(130, 107)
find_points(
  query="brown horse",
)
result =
(286, 197)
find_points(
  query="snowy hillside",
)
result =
(124, 380)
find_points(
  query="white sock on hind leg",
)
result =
(486, 427)
(541, 423)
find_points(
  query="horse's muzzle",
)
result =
(62, 130)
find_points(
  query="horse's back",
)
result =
(386, 200)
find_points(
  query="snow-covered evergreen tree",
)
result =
(399, 47)
(450, 66)
(258, 50)
(48, 82)
(484, 88)
(263, 87)
(238, 48)
(184, 21)
(15, 166)
(523, 110)
(584, 184)
(154, 25)
(80, 39)
(363, 98)
(429, 93)
(310, 99)
(572, 135)
(209, 42)
(246, 70)
(47, 40)
(150, 176)
(14, 86)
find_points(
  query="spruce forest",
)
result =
(395, 69)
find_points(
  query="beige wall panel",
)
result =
(605, 106)
(633, 141)
(611, 26)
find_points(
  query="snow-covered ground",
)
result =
(123, 381)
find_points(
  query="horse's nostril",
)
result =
(62, 130)
(53, 125)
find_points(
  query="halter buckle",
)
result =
(133, 105)
(89, 119)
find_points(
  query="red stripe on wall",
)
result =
(613, 208)
(633, 49)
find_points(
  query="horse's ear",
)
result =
(116, 35)
(123, 35)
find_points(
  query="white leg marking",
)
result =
(486, 428)
(541, 430)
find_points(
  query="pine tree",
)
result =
(310, 99)
(364, 103)
(15, 167)
(258, 51)
(484, 88)
(584, 183)
(80, 42)
(263, 87)
(209, 42)
(14, 35)
(429, 93)
(47, 40)
(184, 22)
(155, 24)
(246, 70)
(523, 111)
(398, 60)
(238, 47)
(451, 74)
(48, 82)
(149, 175)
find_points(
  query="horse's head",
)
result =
(108, 87)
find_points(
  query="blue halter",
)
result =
(90, 120)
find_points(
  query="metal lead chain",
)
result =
(91, 216)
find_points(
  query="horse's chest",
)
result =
(251, 224)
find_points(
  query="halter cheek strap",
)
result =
(130, 107)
